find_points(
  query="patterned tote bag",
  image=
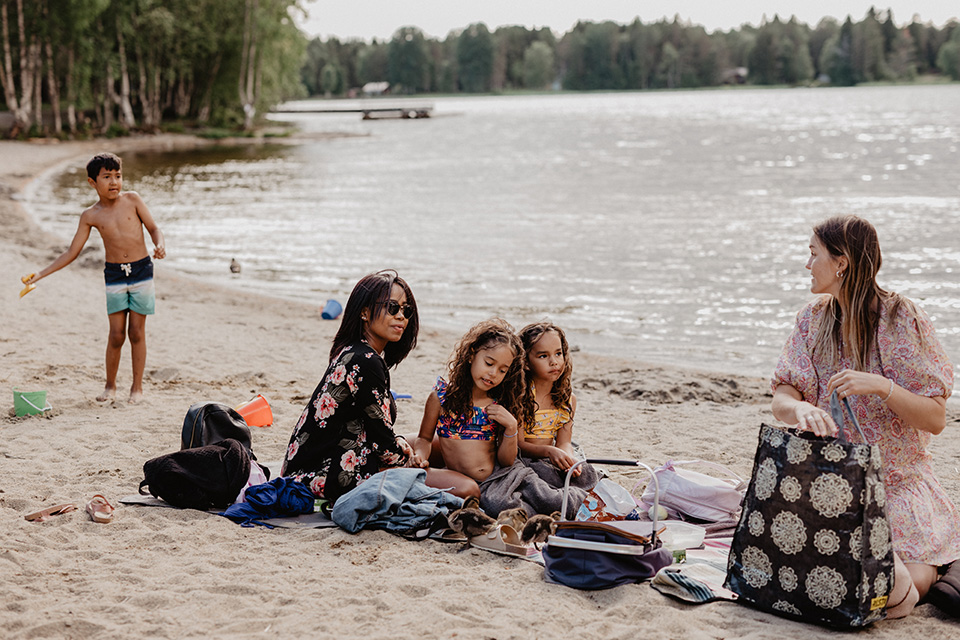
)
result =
(813, 542)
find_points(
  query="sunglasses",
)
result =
(394, 307)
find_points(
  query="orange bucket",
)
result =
(256, 412)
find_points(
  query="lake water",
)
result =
(662, 226)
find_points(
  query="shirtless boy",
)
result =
(120, 218)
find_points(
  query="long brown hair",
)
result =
(853, 317)
(562, 388)
(489, 333)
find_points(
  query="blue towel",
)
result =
(278, 498)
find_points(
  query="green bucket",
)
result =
(30, 403)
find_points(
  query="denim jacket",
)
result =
(397, 500)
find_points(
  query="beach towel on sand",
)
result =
(519, 486)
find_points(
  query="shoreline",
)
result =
(145, 573)
(174, 142)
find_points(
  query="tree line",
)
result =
(660, 55)
(75, 67)
(113, 65)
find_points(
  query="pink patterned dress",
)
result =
(925, 525)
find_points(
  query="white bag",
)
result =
(696, 494)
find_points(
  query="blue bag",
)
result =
(599, 555)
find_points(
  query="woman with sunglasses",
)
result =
(345, 434)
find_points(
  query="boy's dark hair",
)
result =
(373, 293)
(107, 161)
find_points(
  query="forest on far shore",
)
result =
(658, 55)
(74, 68)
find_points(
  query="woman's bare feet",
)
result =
(136, 395)
(108, 393)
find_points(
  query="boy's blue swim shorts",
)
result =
(130, 286)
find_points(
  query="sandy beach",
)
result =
(168, 573)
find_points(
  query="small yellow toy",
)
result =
(30, 287)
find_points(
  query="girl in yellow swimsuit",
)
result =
(549, 404)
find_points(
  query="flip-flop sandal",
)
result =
(45, 514)
(448, 535)
(503, 539)
(100, 510)
(945, 592)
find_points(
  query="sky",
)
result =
(366, 19)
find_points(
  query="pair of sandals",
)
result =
(471, 524)
(501, 535)
(99, 508)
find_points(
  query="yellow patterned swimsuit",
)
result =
(546, 423)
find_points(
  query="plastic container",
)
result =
(682, 535)
(331, 310)
(256, 412)
(30, 403)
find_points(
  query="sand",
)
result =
(170, 573)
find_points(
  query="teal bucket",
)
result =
(30, 403)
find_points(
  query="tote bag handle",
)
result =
(837, 413)
(630, 463)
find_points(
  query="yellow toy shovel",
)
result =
(30, 287)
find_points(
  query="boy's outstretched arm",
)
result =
(151, 226)
(68, 256)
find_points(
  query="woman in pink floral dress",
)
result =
(345, 434)
(878, 349)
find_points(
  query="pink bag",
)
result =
(696, 494)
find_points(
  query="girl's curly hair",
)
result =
(562, 388)
(489, 333)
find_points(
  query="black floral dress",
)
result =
(345, 434)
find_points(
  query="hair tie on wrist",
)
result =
(889, 393)
(511, 435)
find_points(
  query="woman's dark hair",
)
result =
(853, 317)
(373, 292)
(562, 388)
(107, 161)
(485, 335)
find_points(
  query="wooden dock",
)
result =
(406, 112)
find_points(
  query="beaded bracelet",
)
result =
(889, 393)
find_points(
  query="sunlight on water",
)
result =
(668, 226)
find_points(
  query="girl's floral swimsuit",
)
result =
(473, 427)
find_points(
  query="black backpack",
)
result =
(210, 422)
(204, 477)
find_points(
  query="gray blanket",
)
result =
(534, 485)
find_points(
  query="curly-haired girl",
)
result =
(548, 406)
(473, 415)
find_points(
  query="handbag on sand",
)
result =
(696, 494)
(813, 542)
(600, 555)
(210, 422)
(198, 478)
